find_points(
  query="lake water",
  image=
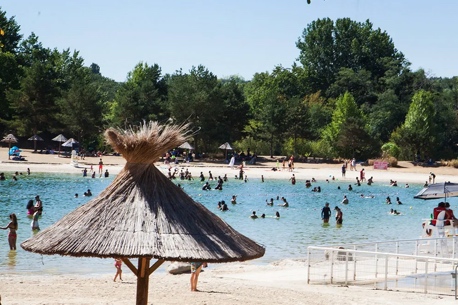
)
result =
(300, 225)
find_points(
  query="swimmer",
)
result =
(398, 201)
(345, 200)
(285, 203)
(407, 186)
(370, 181)
(388, 200)
(271, 202)
(253, 215)
(234, 199)
(263, 216)
(277, 215)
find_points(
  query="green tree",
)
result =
(9, 33)
(80, 108)
(197, 98)
(327, 47)
(33, 102)
(347, 131)
(417, 133)
(141, 98)
(236, 111)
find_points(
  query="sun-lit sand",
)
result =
(282, 282)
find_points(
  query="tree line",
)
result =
(350, 93)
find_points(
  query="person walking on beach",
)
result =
(432, 177)
(118, 265)
(100, 166)
(12, 235)
(326, 213)
(195, 271)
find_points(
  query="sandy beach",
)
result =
(283, 282)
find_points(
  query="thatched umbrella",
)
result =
(10, 138)
(143, 215)
(35, 138)
(186, 145)
(60, 138)
(225, 146)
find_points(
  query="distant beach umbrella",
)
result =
(226, 146)
(186, 145)
(143, 215)
(70, 142)
(10, 138)
(35, 138)
(60, 138)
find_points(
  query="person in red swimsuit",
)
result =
(118, 264)
(12, 236)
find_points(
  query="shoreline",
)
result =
(406, 172)
(278, 282)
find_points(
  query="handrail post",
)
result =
(354, 263)
(308, 266)
(426, 276)
(386, 272)
(332, 266)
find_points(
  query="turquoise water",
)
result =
(300, 225)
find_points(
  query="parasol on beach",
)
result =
(35, 138)
(186, 145)
(226, 146)
(144, 215)
(10, 138)
(70, 142)
(60, 138)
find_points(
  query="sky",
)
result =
(237, 37)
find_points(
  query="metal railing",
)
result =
(416, 265)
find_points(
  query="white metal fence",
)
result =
(417, 265)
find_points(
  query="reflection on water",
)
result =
(12, 259)
(299, 226)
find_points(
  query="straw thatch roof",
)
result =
(10, 138)
(143, 214)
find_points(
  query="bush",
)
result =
(453, 163)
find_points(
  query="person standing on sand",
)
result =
(12, 235)
(326, 213)
(432, 177)
(118, 265)
(100, 166)
(195, 271)
(344, 169)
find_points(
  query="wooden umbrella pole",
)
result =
(142, 280)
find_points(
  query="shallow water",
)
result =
(300, 225)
